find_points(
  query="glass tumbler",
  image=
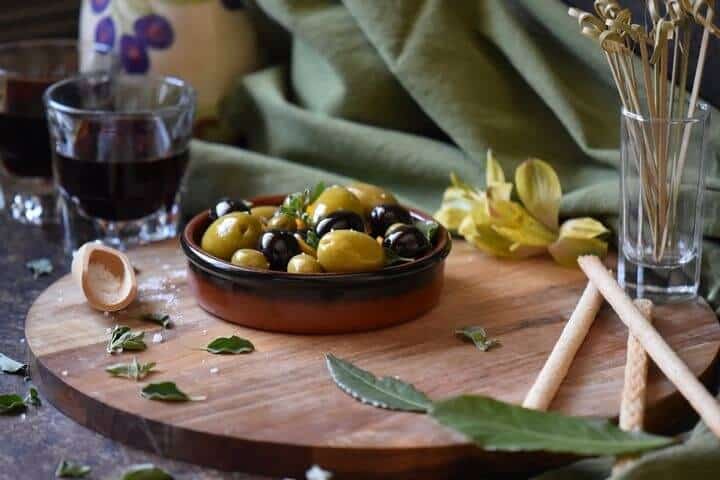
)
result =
(26, 70)
(120, 151)
(663, 162)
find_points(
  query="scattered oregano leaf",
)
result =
(478, 336)
(39, 267)
(387, 392)
(133, 370)
(166, 392)
(32, 398)
(70, 469)
(145, 471)
(162, 319)
(122, 338)
(8, 365)
(11, 403)
(231, 345)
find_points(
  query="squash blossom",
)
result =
(497, 225)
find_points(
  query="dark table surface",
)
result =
(32, 446)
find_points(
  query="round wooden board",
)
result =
(276, 411)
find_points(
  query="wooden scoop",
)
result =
(105, 276)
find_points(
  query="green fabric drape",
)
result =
(400, 93)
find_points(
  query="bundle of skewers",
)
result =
(650, 65)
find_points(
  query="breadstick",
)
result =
(661, 353)
(632, 406)
(556, 366)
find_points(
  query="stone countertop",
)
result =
(33, 445)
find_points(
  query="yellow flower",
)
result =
(495, 224)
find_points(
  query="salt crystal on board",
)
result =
(64, 373)
(214, 370)
(317, 473)
(157, 338)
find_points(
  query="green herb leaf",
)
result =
(162, 319)
(230, 345)
(145, 471)
(122, 338)
(392, 258)
(32, 398)
(428, 228)
(8, 365)
(40, 267)
(386, 392)
(70, 469)
(316, 191)
(166, 392)
(495, 425)
(133, 370)
(11, 403)
(478, 336)
(296, 203)
(312, 239)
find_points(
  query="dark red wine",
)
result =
(121, 190)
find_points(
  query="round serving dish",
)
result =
(325, 303)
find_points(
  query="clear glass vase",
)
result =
(661, 222)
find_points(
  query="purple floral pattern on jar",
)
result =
(133, 55)
(233, 4)
(155, 31)
(98, 6)
(105, 35)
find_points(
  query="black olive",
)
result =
(382, 216)
(340, 220)
(407, 241)
(228, 205)
(278, 247)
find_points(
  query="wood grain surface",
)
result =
(276, 411)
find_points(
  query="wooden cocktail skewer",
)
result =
(661, 353)
(632, 405)
(548, 381)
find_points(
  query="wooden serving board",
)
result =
(276, 411)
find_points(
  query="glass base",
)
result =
(28, 200)
(661, 284)
(80, 229)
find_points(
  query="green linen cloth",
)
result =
(400, 93)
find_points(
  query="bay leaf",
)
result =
(122, 338)
(388, 392)
(11, 403)
(478, 336)
(162, 319)
(496, 425)
(8, 365)
(70, 469)
(39, 267)
(133, 370)
(231, 345)
(145, 471)
(166, 392)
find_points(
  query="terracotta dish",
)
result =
(325, 303)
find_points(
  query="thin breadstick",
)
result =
(661, 353)
(556, 366)
(632, 406)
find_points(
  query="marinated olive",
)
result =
(340, 220)
(333, 199)
(347, 251)
(248, 257)
(228, 205)
(280, 221)
(230, 233)
(303, 263)
(382, 216)
(406, 241)
(263, 212)
(371, 196)
(278, 247)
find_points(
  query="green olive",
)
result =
(264, 212)
(348, 251)
(303, 263)
(333, 199)
(371, 195)
(230, 233)
(247, 257)
(280, 221)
